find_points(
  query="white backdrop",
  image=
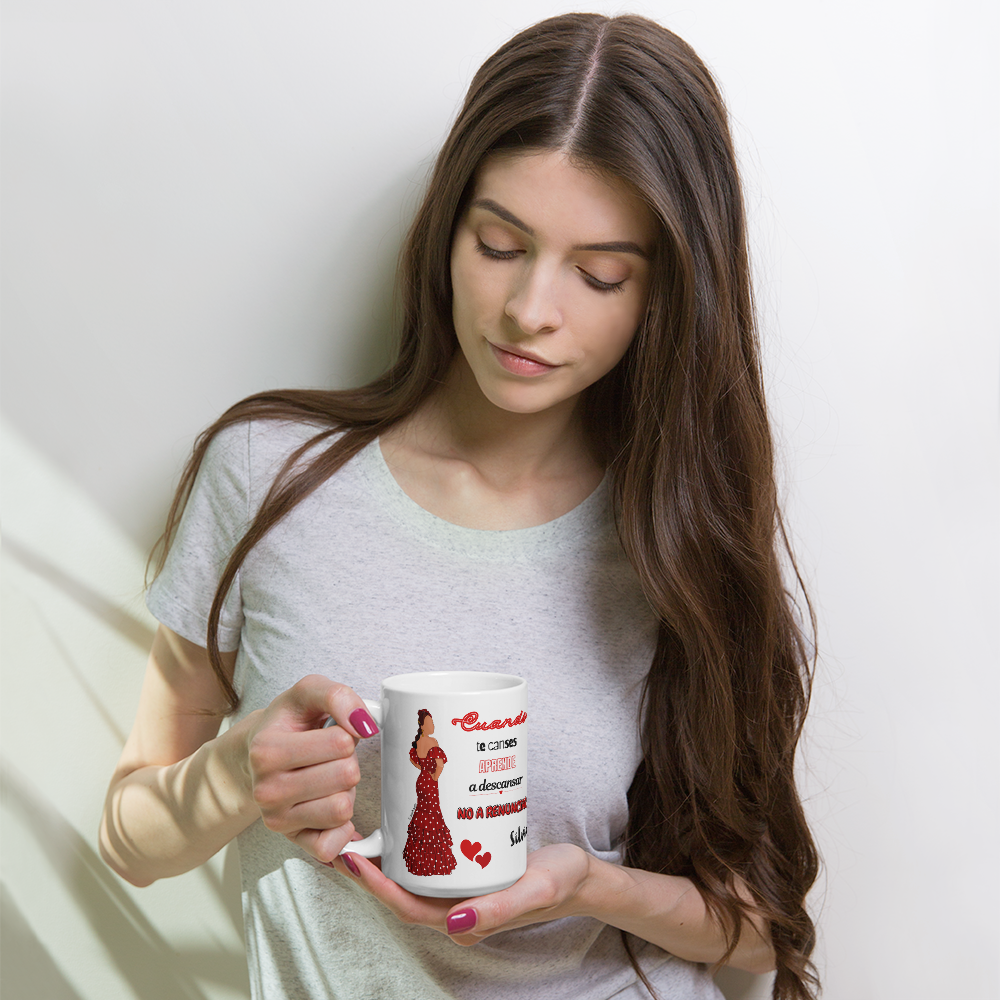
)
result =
(204, 198)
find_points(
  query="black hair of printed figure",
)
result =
(422, 714)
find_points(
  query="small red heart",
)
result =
(470, 850)
(484, 859)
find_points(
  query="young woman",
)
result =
(567, 475)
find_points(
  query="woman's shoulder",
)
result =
(271, 439)
(263, 437)
(436, 751)
(255, 450)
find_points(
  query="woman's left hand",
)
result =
(565, 881)
(550, 888)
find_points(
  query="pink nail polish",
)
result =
(363, 723)
(352, 866)
(464, 920)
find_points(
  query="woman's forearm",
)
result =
(181, 791)
(670, 912)
(162, 820)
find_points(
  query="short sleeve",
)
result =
(216, 516)
(438, 752)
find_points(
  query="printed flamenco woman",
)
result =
(428, 840)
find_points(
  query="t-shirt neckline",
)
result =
(577, 527)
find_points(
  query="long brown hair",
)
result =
(682, 425)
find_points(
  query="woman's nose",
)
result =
(534, 304)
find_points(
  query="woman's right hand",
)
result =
(303, 776)
(181, 791)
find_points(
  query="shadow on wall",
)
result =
(26, 967)
(144, 959)
(75, 636)
(85, 596)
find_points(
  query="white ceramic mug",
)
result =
(454, 801)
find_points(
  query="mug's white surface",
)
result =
(480, 724)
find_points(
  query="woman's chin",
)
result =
(528, 400)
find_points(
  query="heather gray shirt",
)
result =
(359, 583)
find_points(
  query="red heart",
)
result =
(470, 850)
(484, 859)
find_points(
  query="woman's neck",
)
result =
(472, 463)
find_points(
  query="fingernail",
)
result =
(464, 920)
(363, 722)
(352, 866)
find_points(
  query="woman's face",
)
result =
(428, 727)
(550, 275)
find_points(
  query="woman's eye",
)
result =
(488, 251)
(602, 286)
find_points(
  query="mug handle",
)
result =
(371, 846)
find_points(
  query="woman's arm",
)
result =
(181, 792)
(669, 911)
(562, 881)
(178, 793)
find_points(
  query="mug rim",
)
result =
(397, 681)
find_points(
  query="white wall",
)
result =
(204, 198)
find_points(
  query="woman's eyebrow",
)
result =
(616, 246)
(492, 206)
(619, 246)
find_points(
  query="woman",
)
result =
(428, 840)
(567, 474)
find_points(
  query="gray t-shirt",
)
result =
(359, 583)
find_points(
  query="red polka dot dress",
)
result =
(428, 840)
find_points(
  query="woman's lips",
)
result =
(518, 364)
